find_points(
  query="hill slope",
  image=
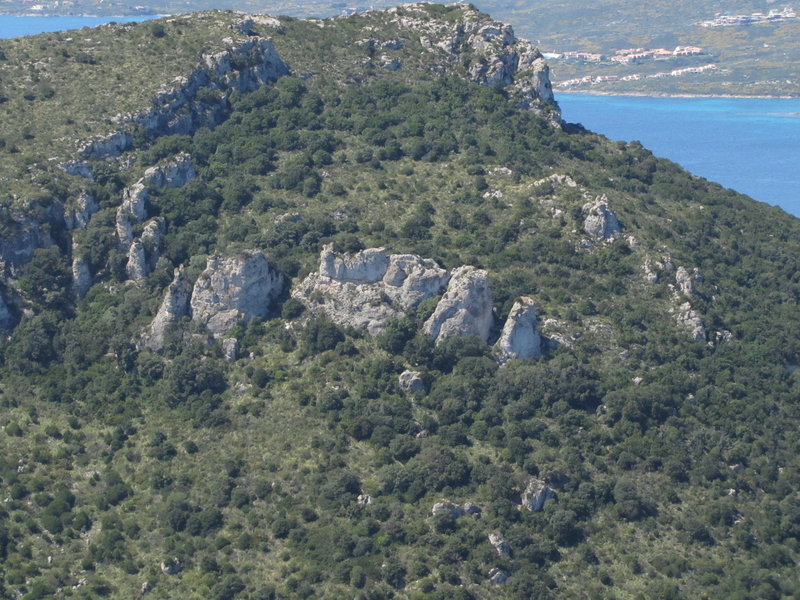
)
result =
(568, 373)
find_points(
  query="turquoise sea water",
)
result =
(18, 26)
(749, 144)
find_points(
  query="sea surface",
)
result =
(11, 26)
(751, 145)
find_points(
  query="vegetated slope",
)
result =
(674, 462)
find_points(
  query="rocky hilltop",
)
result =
(342, 308)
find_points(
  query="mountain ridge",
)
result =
(251, 358)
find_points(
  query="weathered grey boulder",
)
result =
(171, 567)
(234, 288)
(81, 275)
(153, 231)
(536, 494)
(498, 576)
(174, 306)
(520, 337)
(267, 65)
(77, 167)
(132, 211)
(137, 261)
(601, 221)
(174, 174)
(685, 281)
(465, 309)
(367, 266)
(78, 214)
(445, 507)
(471, 509)
(230, 349)
(500, 544)
(689, 320)
(365, 499)
(364, 289)
(650, 275)
(411, 382)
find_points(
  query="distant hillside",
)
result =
(757, 56)
(343, 309)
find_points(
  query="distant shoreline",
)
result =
(83, 15)
(667, 95)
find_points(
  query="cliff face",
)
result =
(178, 110)
(500, 57)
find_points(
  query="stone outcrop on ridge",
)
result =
(81, 275)
(690, 321)
(465, 309)
(504, 59)
(601, 221)
(174, 306)
(78, 214)
(173, 174)
(364, 289)
(536, 494)
(520, 337)
(175, 109)
(234, 288)
(143, 252)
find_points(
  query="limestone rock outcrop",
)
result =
(685, 282)
(650, 275)
(171, 567)
(78, 215)
(174, 306)
(465, 309)
(132, 211)
(367, 266)
(137, 261)
(234, 288)
(500, 544)
(520, 337)
(690, 321)
(601, 221)
(23, 235)
(81, 275)
(498, 576)
(153, 231)
(471, 509)
(176, 173)
(230, 349)
(245, 66)
(445, 507)
(536, 494)
(364, 289)
(502, 58)
(78, 168)
(411, 382)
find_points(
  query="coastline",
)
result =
(668, 95)
(84, 15)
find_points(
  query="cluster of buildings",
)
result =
(773, 16)
(629, 55)
(595, 79)
(41, 7)
(632, 55)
